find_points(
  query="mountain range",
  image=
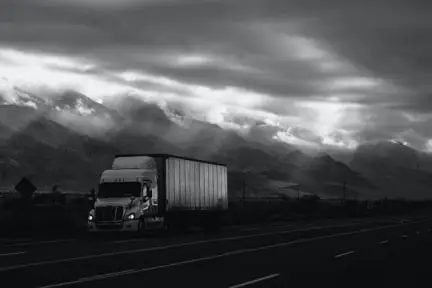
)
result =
(67, 138)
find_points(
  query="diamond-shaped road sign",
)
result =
(25, 188)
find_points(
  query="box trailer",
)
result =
(142, 192)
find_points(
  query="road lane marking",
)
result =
(404, 236)
(344, 254)
(226, 254)
(186, 244)
(107, 275)
(383, 242)
(91, 278)
(251, 228)
(12, 253)
(247, 229)
(158, 248)
(29, 243)
(255, 281)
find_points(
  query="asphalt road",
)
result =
(372, 252)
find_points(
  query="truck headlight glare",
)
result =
(90, 218)
(131, 216)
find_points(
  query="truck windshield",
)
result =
(119, 189)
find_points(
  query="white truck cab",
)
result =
(127, 197)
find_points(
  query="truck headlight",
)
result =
(131, 216)
(90, 218)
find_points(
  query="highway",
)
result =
(354, 252)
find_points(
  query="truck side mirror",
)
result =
(149, 192)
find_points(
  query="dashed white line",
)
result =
(344, 254)
(217, 256)
(12, 253)
(255, 281)
(404, 236)
(158, 248)
(383, 242)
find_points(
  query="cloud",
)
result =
(320, 70)
(104, 4)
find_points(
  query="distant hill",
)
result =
(69, 139)
(397, 170)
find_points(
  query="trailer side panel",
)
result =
(193, 185)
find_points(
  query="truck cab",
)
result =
(127, 198)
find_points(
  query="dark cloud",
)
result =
(391, 39)
(286, 49)
(134, 36)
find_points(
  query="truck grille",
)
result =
(109, 213)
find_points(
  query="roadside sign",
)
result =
(25, 188)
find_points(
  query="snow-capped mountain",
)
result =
(42, 132)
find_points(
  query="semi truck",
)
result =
(159, 191)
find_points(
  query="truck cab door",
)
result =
(150, 198)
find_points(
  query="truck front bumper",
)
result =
(123, 226)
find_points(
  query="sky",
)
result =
(314, 72)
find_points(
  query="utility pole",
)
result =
(298, 193)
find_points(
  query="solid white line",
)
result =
(384, 242)
(158, 248)
(39, 242)
(255, 281)
(230, 253)
(92, 278)
(13, 253)
(107, 275)
(247, 229)
(344, 254)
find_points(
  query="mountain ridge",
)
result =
(141, 127)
